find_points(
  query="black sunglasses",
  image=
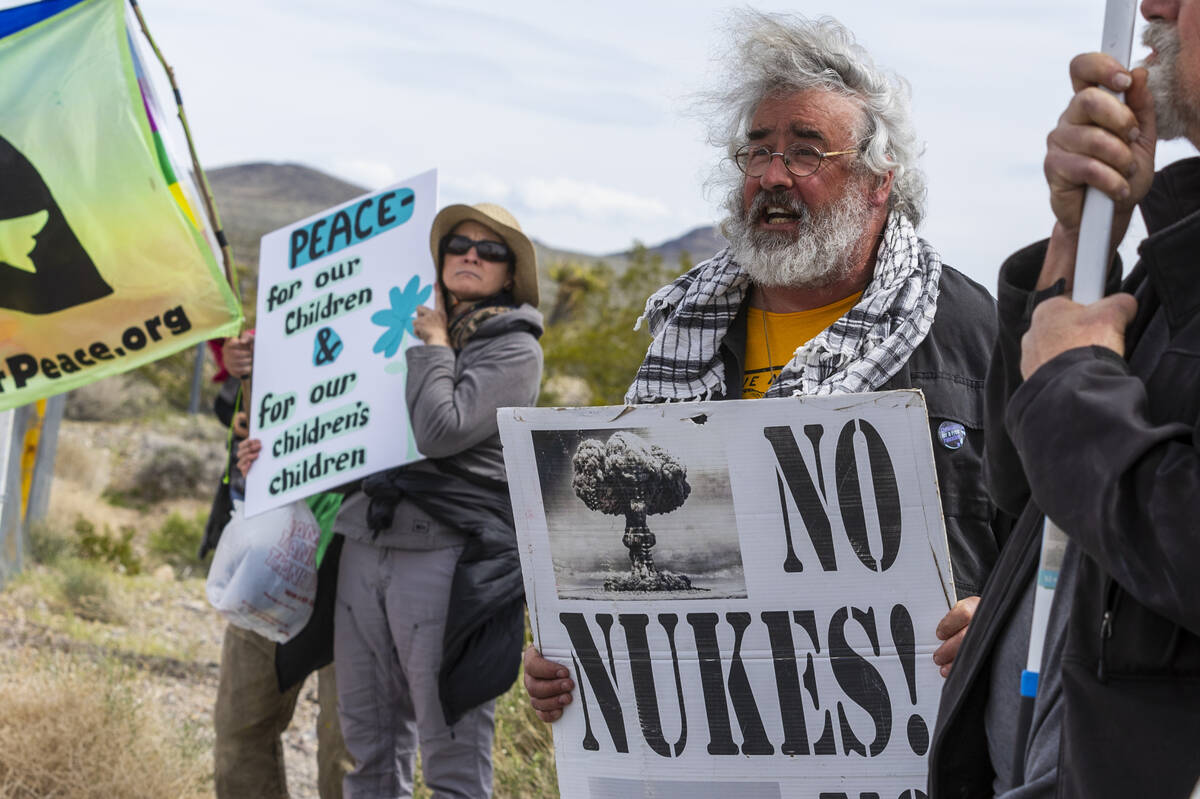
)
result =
(495, 251)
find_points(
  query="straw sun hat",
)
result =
(525, 281)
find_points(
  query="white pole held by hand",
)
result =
(1091, 268)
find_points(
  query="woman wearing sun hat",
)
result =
(429, 622)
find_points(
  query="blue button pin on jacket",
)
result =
(952, 434)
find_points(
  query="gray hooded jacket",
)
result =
(452, 402)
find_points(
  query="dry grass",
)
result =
(116, 398)
(97, 668)
(523, 754)
(76, 731)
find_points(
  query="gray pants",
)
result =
(388, 626)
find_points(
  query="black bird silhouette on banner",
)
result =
(43, 267)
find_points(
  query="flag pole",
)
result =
(210, 205)
(1092, 258)
(205, 191)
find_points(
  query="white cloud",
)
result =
(587, 199)
(478, 188)
(372, 174)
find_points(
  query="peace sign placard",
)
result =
(337, 294)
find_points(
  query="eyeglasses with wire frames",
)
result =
(801, 160)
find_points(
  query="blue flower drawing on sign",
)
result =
(399, 318)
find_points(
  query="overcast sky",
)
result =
(576, 116)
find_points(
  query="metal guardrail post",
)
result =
(38, 503)
(12, 537)
(7, 496)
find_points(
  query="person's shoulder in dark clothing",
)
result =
(225, 404)
(949, 368)
(1174, 194)
(964, 328)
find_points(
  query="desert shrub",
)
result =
(81, 461)
(567, 390)
(48, 544)
(172, 377)
(120, 498)
(105, 547)
(178, 540)
(86, 589)
(589, 329)
(173, 471)
(113, 399)
(79, 733)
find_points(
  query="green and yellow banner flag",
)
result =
(107, 261)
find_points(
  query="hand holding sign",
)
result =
(431, 325)
(247, 454)
(951, 630)
(548, 685)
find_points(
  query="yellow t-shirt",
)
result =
(781, 334)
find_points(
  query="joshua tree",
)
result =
(628, 476)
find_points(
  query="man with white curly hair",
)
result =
(825, 287)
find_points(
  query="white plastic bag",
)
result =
(264, 573)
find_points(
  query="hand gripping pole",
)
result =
(1091, 267)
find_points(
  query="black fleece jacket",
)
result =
(1110, 449)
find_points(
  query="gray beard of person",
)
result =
(1174, 115)
(821, 252)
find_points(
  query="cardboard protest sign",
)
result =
(105, 262)
(337, 294)
(745, 593)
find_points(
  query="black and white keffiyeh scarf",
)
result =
(859, 352)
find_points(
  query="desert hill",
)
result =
(257, 198)
(254, 199)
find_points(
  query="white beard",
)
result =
(821, 253)
(1173, 110)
